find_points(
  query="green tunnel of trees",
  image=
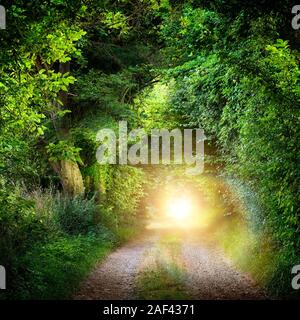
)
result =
(71, 67)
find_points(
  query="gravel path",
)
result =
(209, 274)
(114, 278)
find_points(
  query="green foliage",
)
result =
(48, 243)
(153, 108)
(16, 161)
(268, 264)
(84, 134)
(55, 269)
(116, 20)
(34, 83)
(20, 228)
(120, 191)
(75, 215)
(236, 75)
(70, 68)
(108, 93)
(63, 151)
(34, 47)
(126, 189)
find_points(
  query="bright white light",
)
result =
(179, 209)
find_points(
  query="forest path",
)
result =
(211, 275)
(114, 278)
(208, 274)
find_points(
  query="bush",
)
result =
(120, 190)
(20, 228)
(55, 269)
(48, 242)
(241, 85)
(75, 215)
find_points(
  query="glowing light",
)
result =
(179, 209)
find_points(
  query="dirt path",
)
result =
(209, 275)
(114, 278)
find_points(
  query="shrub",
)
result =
(75, 215)
(55, 269)
(19, 226)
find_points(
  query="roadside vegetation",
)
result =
(70, 68)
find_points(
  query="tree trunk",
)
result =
(70, 177)
(68, 171)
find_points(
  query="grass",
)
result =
(64, 242)
(252, 248)
(163, 276)
(125, 233)
(268, 266)
(54, 270)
